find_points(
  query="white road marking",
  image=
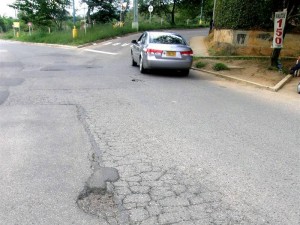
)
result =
(115, 44)
(107, 43)
(123, 45)
(3, 50)
(101, 52)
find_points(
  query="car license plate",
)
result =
(172, 54)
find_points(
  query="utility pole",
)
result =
(215, 1)
(120, 11)
(201, 12)
(135, 23)
(84, 20)
(74, 20)
(74, 31)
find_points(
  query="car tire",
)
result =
(142, 69)
(185, 73)
(133, 63)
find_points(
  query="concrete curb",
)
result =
(281, 83)
(275, 88)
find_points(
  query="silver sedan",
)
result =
(161, 50)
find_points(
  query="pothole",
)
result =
(101, 205)
(96, 199)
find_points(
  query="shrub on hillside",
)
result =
(220, 66)
(200, 64)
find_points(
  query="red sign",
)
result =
(29, 24)
(279, 23)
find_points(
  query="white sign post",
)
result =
(150, 9)
(29, 27)
(279, 23)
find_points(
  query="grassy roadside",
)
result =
(98, 32)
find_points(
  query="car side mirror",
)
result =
(134, 42)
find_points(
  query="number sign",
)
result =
(279, 23)
(150, 8)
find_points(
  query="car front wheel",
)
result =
(133, 63)
(142, 69)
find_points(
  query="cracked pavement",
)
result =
(187, 150)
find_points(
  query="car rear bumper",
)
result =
(154, 63)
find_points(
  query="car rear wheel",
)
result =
(185, 72)
(142, 69)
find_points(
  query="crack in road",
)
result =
(97, 197)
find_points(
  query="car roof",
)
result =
(161, 32)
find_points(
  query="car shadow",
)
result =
(172, 74)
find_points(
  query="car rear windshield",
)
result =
(166, 39)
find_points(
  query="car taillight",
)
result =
(154, 51)
(187, 53)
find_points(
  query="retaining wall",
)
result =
(256, 42)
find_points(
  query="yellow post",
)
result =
(18, 34)
(75, 32)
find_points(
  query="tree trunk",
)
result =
(88, 15)
(173, 13)
(275, 57)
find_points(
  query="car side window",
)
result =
(144, 38)
(140, 38)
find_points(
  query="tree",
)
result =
(6, 23)
(162, 7)
(247, 14)
(2, 25)
(101, 10)
(189, 9)
(174, 9)
(293, 15)
(41, 12)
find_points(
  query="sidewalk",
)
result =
(287, 85)
(198, 46)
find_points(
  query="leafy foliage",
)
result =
(42, 13)
(192, 9)
(247, 14)
(169, 8)
(178, 10)
(5, 24)
(102, 10)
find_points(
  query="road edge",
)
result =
(275, 88)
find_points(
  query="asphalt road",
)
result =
(189, 150)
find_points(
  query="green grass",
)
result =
(65, 37)
(220, 66)
(98, 32)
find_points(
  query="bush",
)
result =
(220, 66)
(247, 15)
(200, 64)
